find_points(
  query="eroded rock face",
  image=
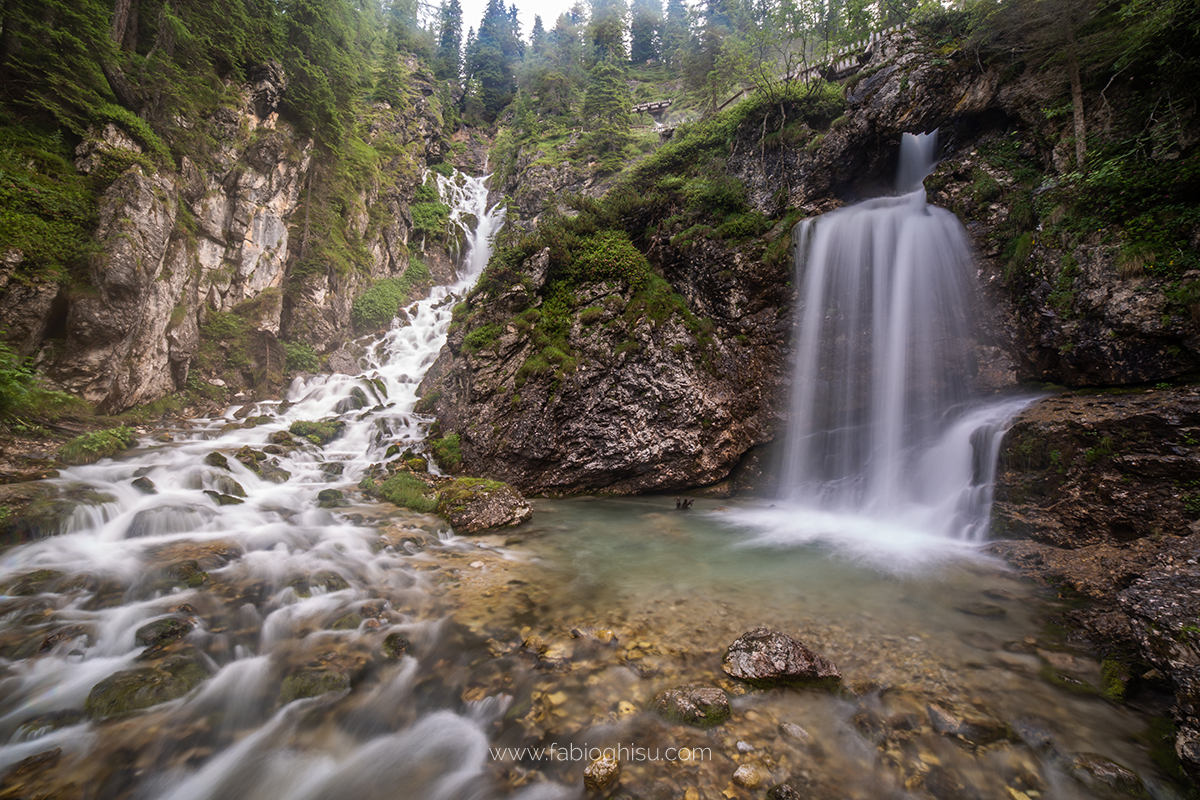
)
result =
(218, 234)
(766, 658)
(472, 505)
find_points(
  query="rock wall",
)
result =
(222, 232)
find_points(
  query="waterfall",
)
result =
(883, 425)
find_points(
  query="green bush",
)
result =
(91, 447)
(610, 255)
(482, 337)
(377, 306)
(409, 491)
(301, 357)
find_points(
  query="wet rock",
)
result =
(944, 784)
(417, 464)
(981, 610)
(794, 732)
(943, 721)
(224, 484)
(319, 433)
(282, 439)
(261, 465)
(311, 683)
(331, 498)
(132, 690)
(342, 362)
(46, 510)
(355, 400)
(163, 631)
(217, 460)
(784, 791)
(33, 583)
(1096, 771)
(694, 704)
(224, 499)
(766, 658)
(144, 485)
(395, 646)
(349, 622)
(332, 469)
(475, 504)
(751, 775)
(601, 773)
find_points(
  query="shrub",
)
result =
(610, 255)
(91, 447)
(377, 306)
(301, 357)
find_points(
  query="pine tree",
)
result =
(492, 58)
(449, 55)
(644, 25)
(606, 30)
(674, 33)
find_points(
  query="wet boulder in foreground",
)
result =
(476, 504)
(695, 704)
(135, 689)
(765, 658)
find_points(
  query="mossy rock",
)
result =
(349, 622)
(356, 400)
(695, 704)
(475, 504)
(227, 485)
(262, 465)
(319, 433)
(417, 464)
(135, 689)
(283, 439)
(331, 498)
(45, 515)
(311, 683)
(224, 499)
(333, 469)
(162, 631)
(32, 583)
(91, 447)
(395, 646)
(216, 460)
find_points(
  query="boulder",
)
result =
(475, 504)
(766, 658)
(134, 689)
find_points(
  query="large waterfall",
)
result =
(885, 438)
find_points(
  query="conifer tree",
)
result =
(644, 25)
(606, 30)
(449, 55)
(674, 33)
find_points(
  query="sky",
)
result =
(548, 10)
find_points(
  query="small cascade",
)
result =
(214, 518)
(883, 424)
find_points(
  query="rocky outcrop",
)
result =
(224, 232)
(650, 400)
(1108, 468)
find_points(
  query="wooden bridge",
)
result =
(653, 108)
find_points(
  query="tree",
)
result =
(674, 35)
(449, 53)
(606, 30)
(606, 110)
(644, 24)
(492, 58)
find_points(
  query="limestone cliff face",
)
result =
(224, 231)
(667, 412)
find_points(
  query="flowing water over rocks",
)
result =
(208, 623)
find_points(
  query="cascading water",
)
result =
(883, 427)
(259, 573)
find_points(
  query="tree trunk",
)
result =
(1076, 94)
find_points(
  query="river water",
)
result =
(368, 652)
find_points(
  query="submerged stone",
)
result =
(694, 704)
(162, 631)
(331, 498)
(311, 683)
(766, 658)
(144, 485)
(134, 689)
(601, 773)
(395, 645)
(224, 499)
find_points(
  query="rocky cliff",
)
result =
(224, 243)
(645, 404)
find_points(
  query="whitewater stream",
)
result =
(202, 628)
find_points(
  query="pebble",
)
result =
(751, 776)
(793, 731)
(601, 773)
(745, 747)
(477, 564)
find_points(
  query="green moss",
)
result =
(311, 683)
(91, 447)
(377, 306)
(482, 338)
(319, 433)
(463, 491)
(136, 689)
(301, 357)
(447, 452)
(408, 491)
